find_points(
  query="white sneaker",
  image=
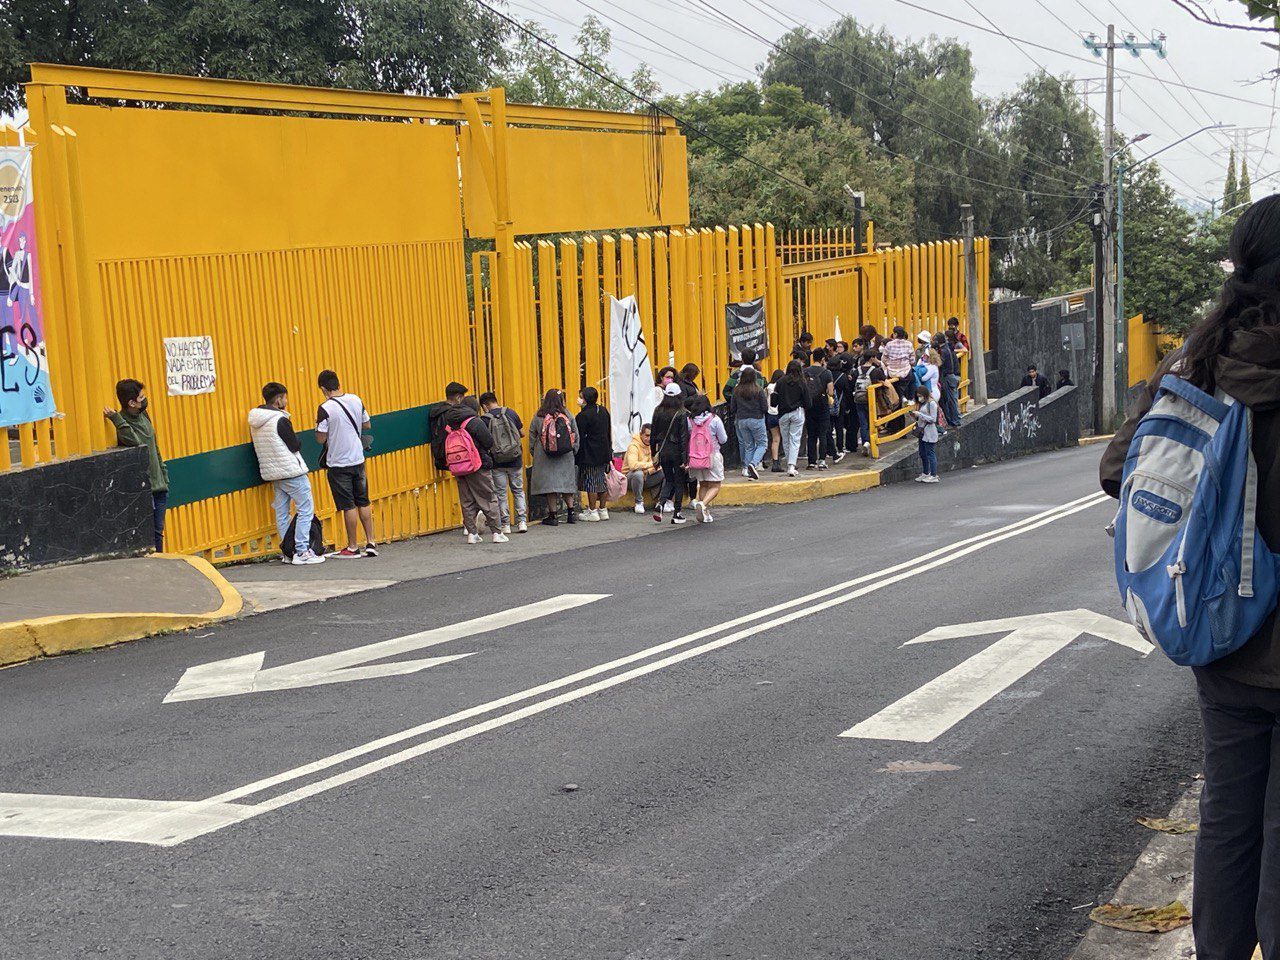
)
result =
(700, 511)
(522, 527)
(922, 478)
(707, 517)
(286, 559)
(640, 507)
(931, 479)
(744, 473)
(792, 472)
(306, 559)
(506, 528)
(591, 516)
(604, 513)
(501, 538)
(668, 507)
(473, 538)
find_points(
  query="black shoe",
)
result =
(572, 517)
(752, 472)
(551, 520)
(677, 518)
(776, 468)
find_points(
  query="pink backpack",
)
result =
(460, 451)
(702, 445)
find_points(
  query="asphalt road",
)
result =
(716, 810)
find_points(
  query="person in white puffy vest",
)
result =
(280, 462)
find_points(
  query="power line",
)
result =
(1069, 56)
(954, 173)
(924, 126)
(916, 94)
(639, 98)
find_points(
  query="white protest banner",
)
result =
(632, 393)
(188, 365)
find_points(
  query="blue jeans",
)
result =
(297, 490)
(951, 399)
(753, 440)
(864, 422)
(792, 427)
(159, 503)
(929, 458)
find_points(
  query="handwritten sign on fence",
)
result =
(188, 365)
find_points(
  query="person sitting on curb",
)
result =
(642, 473)
(280, 463)
(135, 429)
(471, 463)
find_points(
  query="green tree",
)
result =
(540, 75)
(424, 46)
(1245, 192)
(1232, 186)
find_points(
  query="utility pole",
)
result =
(859, 199)
(1105, 307)
(1100, 370)
(977, 346)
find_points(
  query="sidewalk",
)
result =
(89, 605)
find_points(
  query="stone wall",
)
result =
(80, 509)
(1014, 426)
(1023, 333)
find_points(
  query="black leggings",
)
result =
(674, 481)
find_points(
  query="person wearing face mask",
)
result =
(595, 451)
(280, 463)
(135, 429)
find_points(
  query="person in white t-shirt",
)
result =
(340, 425)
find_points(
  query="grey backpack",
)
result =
(506, 438)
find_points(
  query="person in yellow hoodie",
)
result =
(642, 473)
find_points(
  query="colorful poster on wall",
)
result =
(25, 391)
(188, 366)
(632, 393)
(746, 326)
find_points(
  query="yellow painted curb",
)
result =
(796, 491)
(1090, 441)
(22, 640)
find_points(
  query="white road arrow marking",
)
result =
(932, 710)
(245, 674)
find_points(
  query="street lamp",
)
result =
(1122, 321)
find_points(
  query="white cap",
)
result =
(924, 336)
(672, 390)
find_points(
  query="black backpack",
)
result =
(317, 538)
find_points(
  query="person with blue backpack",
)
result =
(1196, 469)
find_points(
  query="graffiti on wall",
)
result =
(1024, 423)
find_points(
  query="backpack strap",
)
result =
(1250, 513)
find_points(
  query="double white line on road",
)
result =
(167, 823)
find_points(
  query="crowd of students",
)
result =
(819, 401)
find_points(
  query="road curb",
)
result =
(796, 491)
(23, 640)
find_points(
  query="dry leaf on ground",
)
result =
(1169, 824)
(1140, 919)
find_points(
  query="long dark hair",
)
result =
(795, 371)
(748, 387)
(552, 404)
(1250, 298)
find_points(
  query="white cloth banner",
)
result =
(632, 394)
(188, 365)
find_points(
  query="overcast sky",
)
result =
(1217, 60)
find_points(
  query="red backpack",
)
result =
(702, 445)
(461, 454)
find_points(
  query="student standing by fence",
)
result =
(670, 439)
(595, 451)
(793, 397)
(508, 460)
(340, 425)
(553, 439)
(280, 463)
(749, 404)
(135, 429)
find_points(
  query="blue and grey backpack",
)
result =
(1194, 572)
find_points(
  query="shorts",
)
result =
(349, 486)
(711, 474)
(771, 421)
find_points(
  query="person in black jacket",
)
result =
(595, 450)
(792, 394)
(669, 440)
(475, 490)
(1236, 349)
(1035, 378)
(948, 379)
